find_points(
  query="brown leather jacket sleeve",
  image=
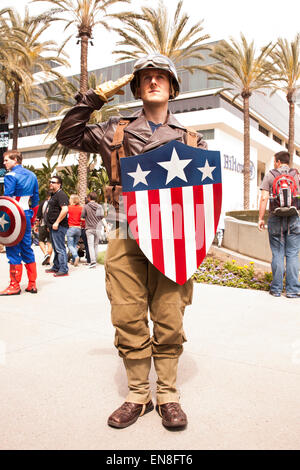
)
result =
(74, 132)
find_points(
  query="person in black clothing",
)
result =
(84, 239)
(57, 221)
(43, 231)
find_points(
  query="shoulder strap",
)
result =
(275, 173)
(293, 171)
(192, 138)
(117, 150)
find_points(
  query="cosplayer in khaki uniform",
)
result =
(21, 184)
(133, 283)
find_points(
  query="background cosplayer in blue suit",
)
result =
(21, 184)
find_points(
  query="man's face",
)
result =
(8, 163)
(276, 163)
(54, 185)
(154, 86)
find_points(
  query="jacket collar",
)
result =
(140, 117)
(140, 128)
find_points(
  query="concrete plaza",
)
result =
(60, 376)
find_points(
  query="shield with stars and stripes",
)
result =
(12, 221)
(172, 197)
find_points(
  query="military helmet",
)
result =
(157, 61)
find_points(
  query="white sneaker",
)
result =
(92, 265)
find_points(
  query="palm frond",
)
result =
(153, 30)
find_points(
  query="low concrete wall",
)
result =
(245, 238)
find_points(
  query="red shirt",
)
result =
(74, 216)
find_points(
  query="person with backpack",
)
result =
(280, 187)
(133, 284)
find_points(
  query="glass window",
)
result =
(263, 130)
(208, 134)
(277, 139)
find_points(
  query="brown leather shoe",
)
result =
(172, 415)
(128, 413)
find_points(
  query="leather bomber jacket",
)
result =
(76, 134)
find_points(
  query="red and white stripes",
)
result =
(175, 227)
(23, 201)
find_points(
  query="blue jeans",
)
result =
(284, 240)
(73, 235)
(60, 261)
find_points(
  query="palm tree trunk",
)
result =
(246, 152)
(16, 117)
(291, 143)
(82, 162)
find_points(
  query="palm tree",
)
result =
(286, 57)
(69, 176)
(9, 45)
(84, 15)
(97, 181)
(44, 175)
(245, 72)
(21, 67)
(153, 30)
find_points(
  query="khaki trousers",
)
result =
(133, 286)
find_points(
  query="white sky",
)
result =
(261, 20)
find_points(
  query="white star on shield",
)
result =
(139, 176)
(175, 167)
(206, 171)
(3, 222)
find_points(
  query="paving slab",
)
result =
(61, 377)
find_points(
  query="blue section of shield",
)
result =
(4, 222)
(157, 176)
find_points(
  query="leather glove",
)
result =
(108, 89)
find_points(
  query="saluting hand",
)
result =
(110, 88)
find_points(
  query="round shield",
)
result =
(12, 221)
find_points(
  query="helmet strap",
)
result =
(172, 90)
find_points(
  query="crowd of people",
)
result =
(59, 225)
(79, 230)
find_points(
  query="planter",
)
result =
(247, 215)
